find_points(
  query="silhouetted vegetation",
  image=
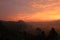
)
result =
(20, 32)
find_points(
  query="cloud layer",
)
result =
(29, 10)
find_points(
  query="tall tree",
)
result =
(52, 35)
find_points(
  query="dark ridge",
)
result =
(21, 30)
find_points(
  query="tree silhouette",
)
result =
(1, 30)
(43, 36)
(1, 26)
(38, 36)
(21, 32)
(52, 35)
(21, 25)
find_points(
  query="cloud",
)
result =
(24, 9)
(46, 5)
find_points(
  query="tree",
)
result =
(2, 30)
(22, 25)
(52, 35)
(1, 26)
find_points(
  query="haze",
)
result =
(30, 10)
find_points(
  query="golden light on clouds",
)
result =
(35, 10)
(45, 17)
(39, 16)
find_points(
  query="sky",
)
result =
(30, 10)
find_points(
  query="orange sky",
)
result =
(36, 10)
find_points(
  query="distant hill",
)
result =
(46, 26)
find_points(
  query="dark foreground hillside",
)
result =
(21, 33)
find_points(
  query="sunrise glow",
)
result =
(32, 10)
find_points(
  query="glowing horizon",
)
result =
(32, 10)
